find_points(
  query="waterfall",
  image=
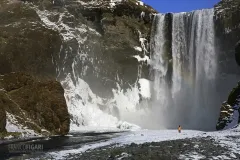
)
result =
(191, 98)
(159, 63)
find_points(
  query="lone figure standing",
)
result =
(179, 129)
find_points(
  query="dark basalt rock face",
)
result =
(36, 104)
(26, 45)
(230, 108)
(29, 47)
(227, 26)
(122, 30)
(106, 55)
(228, 21)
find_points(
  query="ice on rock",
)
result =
(145, 88)
(13, 125)
(142, 59)
(137, 48)
(88, 113)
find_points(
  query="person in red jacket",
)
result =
(179, 129)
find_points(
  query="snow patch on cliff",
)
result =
(145, 88)
(113, 3)
(137, 48)
(140, 3)
(13, 125)
(142, 59)
(66, 31)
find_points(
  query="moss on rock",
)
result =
(4, 135)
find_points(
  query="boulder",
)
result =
(230, 110)
(37, 104)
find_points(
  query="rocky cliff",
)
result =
(227, 26)
(228, 32)
(230, 110)
(105, 47)
(103, 42)
(31, 100)
(26, 45)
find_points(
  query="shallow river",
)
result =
(36, 147)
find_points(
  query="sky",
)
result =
(164, 6)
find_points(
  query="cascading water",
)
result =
(159, 70)
(192, 101)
